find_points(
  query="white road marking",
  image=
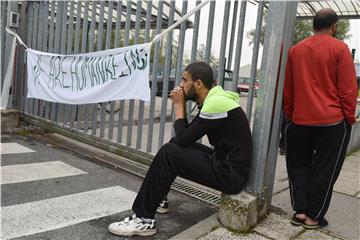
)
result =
(45, 215)
(11, 148)
(37, 171)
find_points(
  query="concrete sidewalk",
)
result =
(343, 214)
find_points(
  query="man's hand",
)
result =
(177, 96)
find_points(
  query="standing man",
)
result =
(225, 168)
(320, 99)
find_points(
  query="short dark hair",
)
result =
(324, 18)
(202, 71)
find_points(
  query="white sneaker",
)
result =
(163, 207)
(133, 226)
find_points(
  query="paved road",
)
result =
(50, 193)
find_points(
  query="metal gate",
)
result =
(70, 27)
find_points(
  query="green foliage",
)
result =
(200, 56)
(140, 40)
(302, 30)
(342, 31)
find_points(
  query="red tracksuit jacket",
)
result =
(320, 82)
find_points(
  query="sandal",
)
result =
(321, 223)
(296, 221)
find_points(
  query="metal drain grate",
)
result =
(178, 185)
(135, 168)
(197, 193)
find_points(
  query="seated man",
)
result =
(226, 168)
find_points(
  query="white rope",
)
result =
(17, 37)
(181, 20)
(156, 38)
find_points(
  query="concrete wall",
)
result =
(9, 120)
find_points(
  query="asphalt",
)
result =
(189, 218)
(185, 211)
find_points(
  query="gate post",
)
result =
(12, 8)
(241, 212)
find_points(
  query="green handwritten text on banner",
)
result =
(114, 74)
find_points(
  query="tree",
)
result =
(302, 30)
(200, 56)
(141, 39)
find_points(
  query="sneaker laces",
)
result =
(130, 218)
(162, 203)
(134, 219)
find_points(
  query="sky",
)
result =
(354, 41)
(250, 21)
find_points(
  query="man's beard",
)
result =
(191, 94)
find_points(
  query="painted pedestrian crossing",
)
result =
(40, 216)
(35, 217)
(12, 148)
(37, 171)
(39, 202)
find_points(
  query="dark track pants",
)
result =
(314, 157)
(282, 132)
(194, 163)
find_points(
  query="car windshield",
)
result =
(246, 80)
(228, 74)
(172, 73)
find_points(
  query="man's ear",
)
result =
(334, 28)
(198, 83)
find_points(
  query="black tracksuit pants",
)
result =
(314, 157)
(195, 163)
(282, 132)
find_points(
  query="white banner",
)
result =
(114, 74)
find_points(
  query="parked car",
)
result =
(160, 82)
(244, 86)
(228, 75)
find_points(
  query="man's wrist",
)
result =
(179, 110)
